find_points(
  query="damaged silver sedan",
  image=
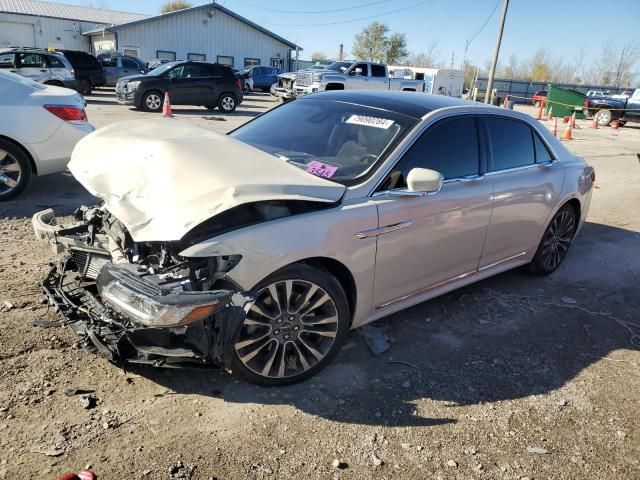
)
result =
(259, 250)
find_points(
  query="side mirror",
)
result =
(424, 180)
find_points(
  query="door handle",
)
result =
(44, 71)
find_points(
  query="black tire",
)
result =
(84, 86)
(13, 183)
(245, 88)
(290, 352)
(537, 104)
(152, 101)
(227, 103)
(555, 242)
(210, 107)
(54, 83)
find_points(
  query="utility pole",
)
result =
(494, 62)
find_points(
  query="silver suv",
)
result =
(39, 65)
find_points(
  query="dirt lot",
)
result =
(514, 377)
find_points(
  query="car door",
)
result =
(259, 80)
(379, 79)
(526, 181)
(180, 85)
(33, 66)
(110, 69)
(632, 111)
(200, 84)
(128, 67)
(358, 77)
(427, 241)
(8, 62)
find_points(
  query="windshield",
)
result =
(162, 69)
(334, 140)
(339, 66)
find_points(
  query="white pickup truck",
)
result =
(352, 76)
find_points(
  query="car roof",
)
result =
(412, 104)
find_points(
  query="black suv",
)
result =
(89, 74)
(188, 83)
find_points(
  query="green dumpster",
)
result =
(565, 102)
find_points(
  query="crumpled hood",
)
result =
(162, 177)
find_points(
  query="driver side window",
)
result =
(449, 147)
(359, 66)
(176, 72)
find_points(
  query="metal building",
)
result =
(208, 32)
(34, 23)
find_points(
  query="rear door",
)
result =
(8, 62)
(129, 67)
(110, 69)
(33, 66)
(379, 79)
(526, 181)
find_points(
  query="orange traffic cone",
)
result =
(567, 132)
(555, 127)
(539, 117)
(550, 114)
(615, 125)
(594, 124)
(573, 120)
(166, 106)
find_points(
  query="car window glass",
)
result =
(361, 66)
(194, 71)
(378, 71)
(55, 62)
(108, 62)
(217, 70)
(177, 72)
(511, 144)
(32, 60)
(7, 60)
(542, 152)
(449, 147)
(127, 63)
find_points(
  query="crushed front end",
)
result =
(139, 302)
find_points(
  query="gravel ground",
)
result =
(514, 377)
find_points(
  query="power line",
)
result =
(352, 20)
(485, 23)
(355, 7)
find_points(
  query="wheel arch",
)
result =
(32, 162)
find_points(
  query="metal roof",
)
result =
(207, 6)
(70, 12)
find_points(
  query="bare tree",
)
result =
(626, 60)
(430, 58)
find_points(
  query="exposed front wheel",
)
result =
(152, 101)
(555, 241)
(294, 328)
(15, 170)
(227, 103)
(604, 117)
(84, 86)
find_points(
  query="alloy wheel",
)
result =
(228, 103)
(10, 172)
(153, 101)
(288, 330)
(557, 239)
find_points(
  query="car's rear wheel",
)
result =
(84, 86)
(555, 242)
(537, 104)
(245, 88)
(152, 101)
(227, 103)
(604, 117)
(293, 329)
(55, 83)
(15, 170)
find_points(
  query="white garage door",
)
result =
(17, 35)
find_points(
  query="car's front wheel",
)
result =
(293, 329)
(555, 242)
(227, 103)
(15, 170)
(152, 101)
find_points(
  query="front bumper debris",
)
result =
(101, 330)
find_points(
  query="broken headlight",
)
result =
(150, 312)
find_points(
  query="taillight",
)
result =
(68, 114)
(586, 102)
(239, 83)
(593, 176)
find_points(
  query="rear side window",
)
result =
(449, 147)
(109, 62)
(378, 71)
(81, 59)
(511, 144)
(7, 60)
(127, 63)
(32, 60)
(542, 152)
(55, 62)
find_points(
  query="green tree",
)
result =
(396, 48)
(174, 5)
(318, 57)
(370, 44)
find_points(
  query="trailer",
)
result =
(438, 81)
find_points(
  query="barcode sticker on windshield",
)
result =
(370, 121)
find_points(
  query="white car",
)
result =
(39, 126)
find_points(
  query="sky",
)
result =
(562, 26)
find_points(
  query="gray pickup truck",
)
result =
(352, 76)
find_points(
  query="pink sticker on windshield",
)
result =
(320, 169)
